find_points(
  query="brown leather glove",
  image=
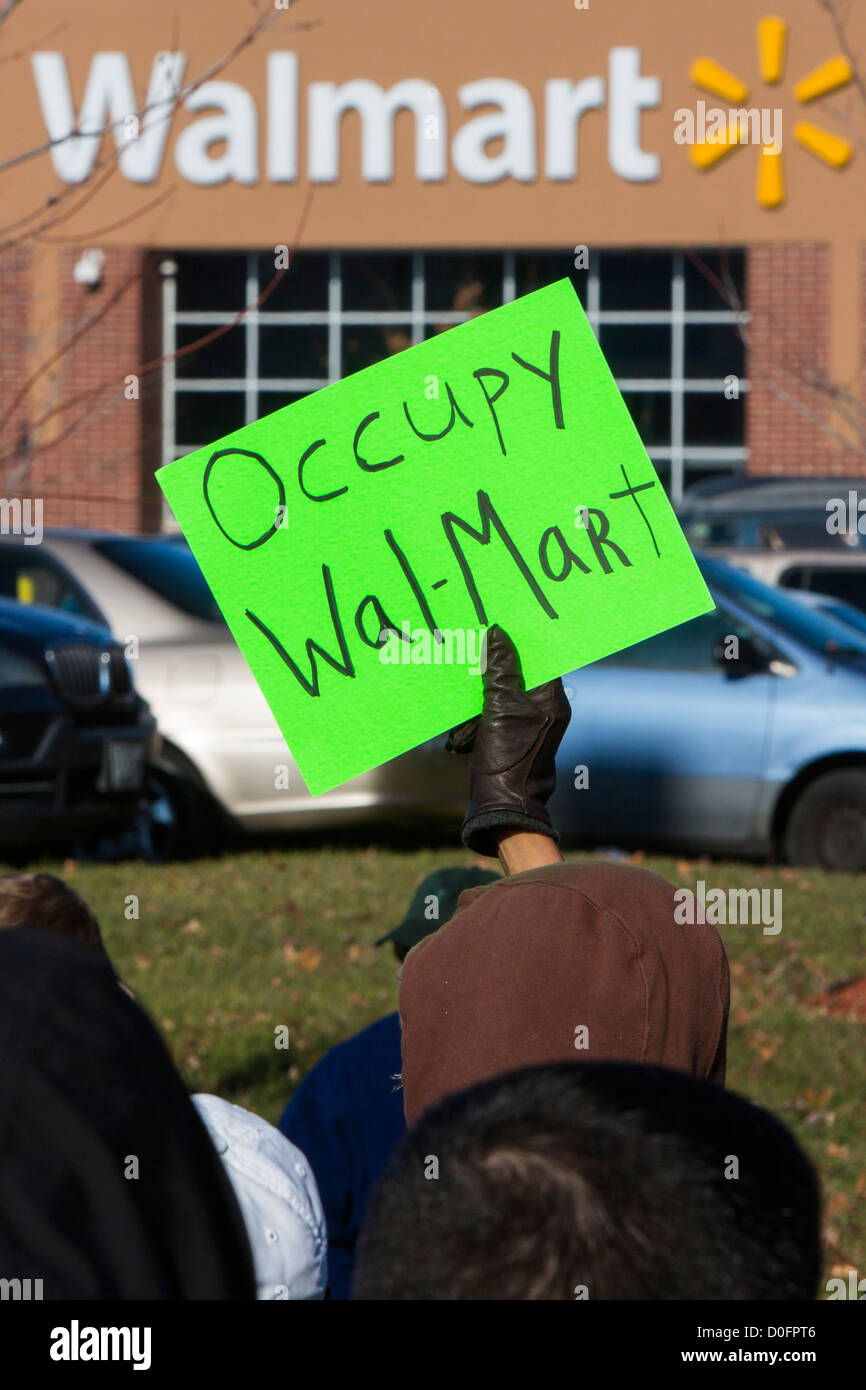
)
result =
(513, 744)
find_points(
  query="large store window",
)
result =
(669, 336)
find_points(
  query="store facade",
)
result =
(411, 168)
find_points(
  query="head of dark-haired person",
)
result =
(598, 1180)
(110, 1187)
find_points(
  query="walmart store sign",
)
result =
(224, 145)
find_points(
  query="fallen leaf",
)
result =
(837, 1202)
(353, 953)
(310, 958)
(169, 1025)
(142, 962)
(191, 927)
(838, 1150)
(193, 1062)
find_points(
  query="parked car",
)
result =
(690, 741)
(770, 513)
(838, 572)
(835, 608)
(75, 736)
(222, 757)
(695, 741)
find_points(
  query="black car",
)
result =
(771, 513)
(75, 736)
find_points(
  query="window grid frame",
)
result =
(416, 318)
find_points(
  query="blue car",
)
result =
(742, 731)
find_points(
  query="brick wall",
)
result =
(14, 349)
(788, 297)
(87, 441)
(90, 453)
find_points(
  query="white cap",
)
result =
(279, 1199)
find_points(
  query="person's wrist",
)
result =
(519, 850)
(484, 825)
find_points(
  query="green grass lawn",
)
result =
(226, 951)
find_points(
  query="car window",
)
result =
(776, 531)
(687, 647)
(167, 567)
(844, 613)
(846, 584)
(808, 625)
(38, 579)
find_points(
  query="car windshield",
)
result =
(843, 613)
(167, 567)
(817, 630)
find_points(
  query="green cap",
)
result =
(434, 902)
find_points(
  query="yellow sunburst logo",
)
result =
(831, 149)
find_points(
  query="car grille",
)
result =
(86, 675)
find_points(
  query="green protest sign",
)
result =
(359, 541)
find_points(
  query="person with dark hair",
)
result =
(47, 900)
(582, 960)
(593, 1180)
(50, 904)
(110, 1187)
(346, 1115)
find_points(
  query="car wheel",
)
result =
(179, 821)
(827, 826)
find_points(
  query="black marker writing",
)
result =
(345, 667)
(278, 512)
(489, 518)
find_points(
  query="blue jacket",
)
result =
(346, 1117)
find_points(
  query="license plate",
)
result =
(123, 763)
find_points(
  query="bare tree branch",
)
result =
(109, 161)
(844, 402)
(6, 9)
(93, 402)
(269, 17)
(86, 397)
(97, 232)
(19, 53)
(831, 8)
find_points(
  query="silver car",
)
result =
(221, 748)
